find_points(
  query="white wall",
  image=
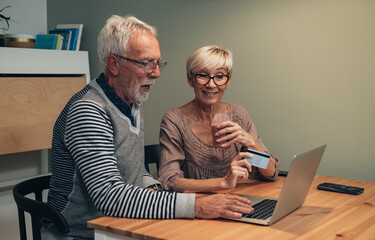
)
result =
(27, 17)
(304, 69)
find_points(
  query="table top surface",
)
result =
(324, 215)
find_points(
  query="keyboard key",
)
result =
(263, 209)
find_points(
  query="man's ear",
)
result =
(190, 80)
(113, 65)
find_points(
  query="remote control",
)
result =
(340, 188)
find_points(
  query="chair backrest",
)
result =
(152, 155)
(37, 208)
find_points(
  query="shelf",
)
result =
(41, 61)
(35, 85)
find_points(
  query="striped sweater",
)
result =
(97, 163)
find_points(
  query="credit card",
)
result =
(260, 159)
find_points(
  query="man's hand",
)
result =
(221, 205)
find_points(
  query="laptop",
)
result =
(297, 184)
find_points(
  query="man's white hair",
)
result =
(114, 36)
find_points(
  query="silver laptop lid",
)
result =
(298, 182)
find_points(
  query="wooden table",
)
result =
(324, 215)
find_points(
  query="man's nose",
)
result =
(155, 73)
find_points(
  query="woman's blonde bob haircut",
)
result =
(207, 57)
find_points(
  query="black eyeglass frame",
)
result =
(161, 64)
(209, 79)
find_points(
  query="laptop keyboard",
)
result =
(262, 210)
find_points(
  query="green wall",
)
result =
(304, 69)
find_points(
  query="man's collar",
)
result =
(116, 100)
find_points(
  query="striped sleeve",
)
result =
(89, 138)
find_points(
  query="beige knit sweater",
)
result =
(183, 154)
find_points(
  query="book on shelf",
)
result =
(76, 36)
(59, 41)
(73, 37)
(65, 37)
(47, 41)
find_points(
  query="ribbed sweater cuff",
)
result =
(185, 205)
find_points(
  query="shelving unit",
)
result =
(34, 87)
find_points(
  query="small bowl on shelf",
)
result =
(2, 40)
(20, 40)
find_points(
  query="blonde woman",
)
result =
(189, 160)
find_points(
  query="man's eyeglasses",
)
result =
(149, 66)
(203, 79)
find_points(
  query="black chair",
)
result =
(152, 155)
(37, 208)
(283, 173)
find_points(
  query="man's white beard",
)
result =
(142, 97)
(139, 97)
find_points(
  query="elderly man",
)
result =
(97, 152)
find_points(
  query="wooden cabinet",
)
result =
(34, 87)
(29, 107)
